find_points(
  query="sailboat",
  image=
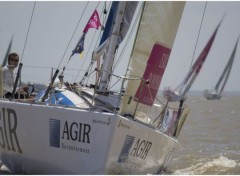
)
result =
(180, 92)
(80, 129)
(216, 93)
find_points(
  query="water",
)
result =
(210, 138)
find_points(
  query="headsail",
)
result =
(7, 53)
(180, 92)
(153, 74)
(154, 27)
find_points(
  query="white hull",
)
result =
(211, 95)
(40, 139)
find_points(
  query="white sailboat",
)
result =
(216, 93)
(84, 130)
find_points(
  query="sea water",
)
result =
(210, 138)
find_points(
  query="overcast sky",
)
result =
(53, 24)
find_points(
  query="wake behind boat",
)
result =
(90, 129)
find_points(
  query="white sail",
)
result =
(159, 23)
(79, 130)
(216, 93)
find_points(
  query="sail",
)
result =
(109, 24)
(128, 16)
(117, 34)
(153, 74)
(7, 53)
(216, 93)
(121, 27)
(159, 23)
(180, 92)
(227, 69)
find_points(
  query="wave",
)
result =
(219, 165)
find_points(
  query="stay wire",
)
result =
(129, 36)
(73, 34)
(198, 34)
(28, 32)
(88, 49)
(18, 77)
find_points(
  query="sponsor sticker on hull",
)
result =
(70, 136)
(8, 130)
(134, 147)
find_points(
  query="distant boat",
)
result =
(216, 93)
(179, 93)
(90, 129)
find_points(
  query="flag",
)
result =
(93, 22)
(80, 46)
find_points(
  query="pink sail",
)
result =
(153, 74)
(180, 92)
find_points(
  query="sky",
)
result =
(51, 39)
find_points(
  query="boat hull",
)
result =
(40, 139)
(211, 95)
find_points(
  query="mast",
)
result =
(98, 52)
(228, 69)
(223, 74)
(113, 45)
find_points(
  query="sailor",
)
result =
(9, 78)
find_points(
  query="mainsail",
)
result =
(121, 25)
(217, 92)
(159, 23)
(180, 92)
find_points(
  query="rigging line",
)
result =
(84, 60)
(28, 31)
(18, 77)
(141, 9)
(104, 21)
(118, 79)
(125, 45)
(104, 12)
(73, 34)
(164, 105)
(88, 51)
(43, 67)
(198, 34)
